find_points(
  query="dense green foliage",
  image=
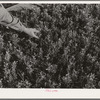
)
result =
(67, 55)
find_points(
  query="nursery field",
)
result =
(67, 55)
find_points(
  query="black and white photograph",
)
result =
(49, 46)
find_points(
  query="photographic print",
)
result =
(50, 46)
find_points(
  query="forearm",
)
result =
(19, 7)
(8, 20)
(5, 16)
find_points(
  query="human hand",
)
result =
(33, 32)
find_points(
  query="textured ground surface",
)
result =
(67, 55)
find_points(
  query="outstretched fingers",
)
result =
(35, 33)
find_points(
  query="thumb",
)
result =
(35, 30)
